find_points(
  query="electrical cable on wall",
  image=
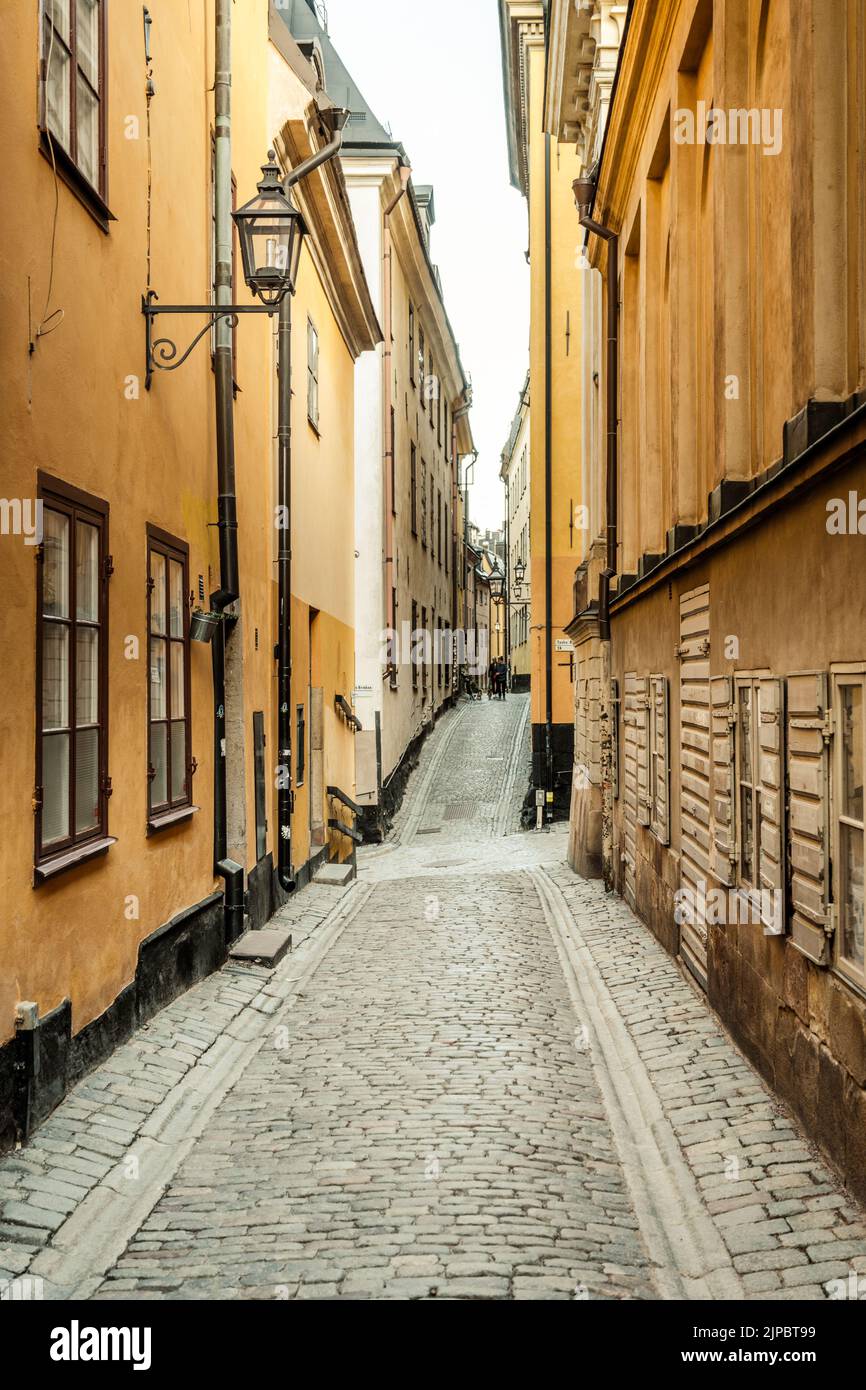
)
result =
(46, 323)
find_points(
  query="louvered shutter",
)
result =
(632, 719)
(614, 738)
(724, 841)
(644, 784)
(660, 758)
(771, 820)
(695, 769)
(809, 812)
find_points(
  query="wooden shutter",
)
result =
(808, 728)
(632, 719)
(614, 738)
(660, 758)
(695, 767)
(724, 840)
(642, 727)
(771, 787)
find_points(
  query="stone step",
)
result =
(265, 947)
(335, 875)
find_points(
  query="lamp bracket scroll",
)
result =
(162, 353)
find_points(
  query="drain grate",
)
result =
(430, 830)
(460, 810)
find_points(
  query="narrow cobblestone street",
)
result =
(475, 1076)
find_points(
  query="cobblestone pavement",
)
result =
(475, 1076)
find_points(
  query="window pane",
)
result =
(58, 11)
(158, 708)
(55, 564)
(178, 707)
(852, 751)
(55, 788)
(88, 132)
(87, 573)
(86, 780)
(159, 762)
(55, 676)
(176, 598)
(157, 597)
(851, 897)
(746, 833)
(178, 760)
(86, 676)
(57, 88)
(746, 734)
(87, 39)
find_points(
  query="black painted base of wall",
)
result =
(377, 820)
(37, 1069)
(562, 748)
(521, 685)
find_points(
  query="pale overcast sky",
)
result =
(433, 74)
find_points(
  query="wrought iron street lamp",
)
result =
(271, 231)
(497, 585)
(519, 573)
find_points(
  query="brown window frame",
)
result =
(421, 359)
(412, 645)
(393, 461)
(174, 809)
(80, 508)
(413, 487)
(65, 161)
(432, 376)
(411, 342)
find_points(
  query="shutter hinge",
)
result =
(701, 649)
(37, 799)
(107, 788)
(151, 585)
(831, 919)
(193, 766)
(151, 772)
(828, 727)
(108, 567)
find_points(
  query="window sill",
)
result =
(71, 859)
(69, 173)
(165, 819)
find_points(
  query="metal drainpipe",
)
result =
(387, 301)
(611, 493)
(285, 796)
(548, 477)
(229, 580)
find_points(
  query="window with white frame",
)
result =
(312, 375)
(848, 823)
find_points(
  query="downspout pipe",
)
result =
(336, 118)
(405, 174)
(229, 588)
(227, 520)
(584, 193)
(548, 473)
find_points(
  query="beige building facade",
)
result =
(725, 714)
